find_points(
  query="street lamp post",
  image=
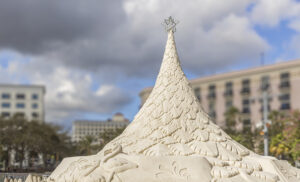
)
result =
(265, 120)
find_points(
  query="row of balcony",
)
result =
(247, 111)
(283, 106)
(244, 91)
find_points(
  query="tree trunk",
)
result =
(22, 157)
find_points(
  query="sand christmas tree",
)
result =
(171, 139)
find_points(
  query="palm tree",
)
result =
(232, 119)
(86, 145)
(109, 134)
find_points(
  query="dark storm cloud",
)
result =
(75, 46)
(32, 26)
(124, 37)
(90, 35)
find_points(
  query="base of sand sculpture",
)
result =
(177, 169)
(172, 139)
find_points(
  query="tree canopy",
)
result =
(30, 140)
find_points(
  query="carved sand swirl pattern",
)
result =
(172, 123)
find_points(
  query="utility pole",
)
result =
(265, 98)
(265, 120)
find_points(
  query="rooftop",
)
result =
(97, 121)
(244, 72)
(8, 85)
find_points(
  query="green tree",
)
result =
(109, 134)
(285, 142)
(33, 138)
(277, 119)
(87, 145)
(49, 141)
(91, 145)
(232, 118)
(244, 136)
(13, 137)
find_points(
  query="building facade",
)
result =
(243, 90)
(83, 128)
(23, 100)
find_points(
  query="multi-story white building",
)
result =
(23, 100)
(82, 128)
(243, 90)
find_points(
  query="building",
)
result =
(82, 128)
(243, 90)
(23, 100)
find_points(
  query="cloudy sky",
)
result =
(95, 56)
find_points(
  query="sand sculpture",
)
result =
(171, 139)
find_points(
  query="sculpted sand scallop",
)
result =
(171, 139)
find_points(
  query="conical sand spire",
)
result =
(171, 122)
(173, 139)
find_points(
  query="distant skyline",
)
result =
(95, 56)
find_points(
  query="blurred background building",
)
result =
(243, 90)
(23, 100)
(83, 128)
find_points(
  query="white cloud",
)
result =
(295, 25)
(272, 12)
(212, 35)
(69, 93)
(133, 39)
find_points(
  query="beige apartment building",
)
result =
(23, 100)
(82, 128)
(243, 90)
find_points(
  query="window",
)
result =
(245, 86)
(20, 105)
(262, 108)
(5, 105)
(211, 105)
(228, 93)
(265, 83)
(5, 114)
(270, 98)
(198, 93)
(20, 96)
(212, 93)
(246, 110)
(228, 89)
(212, 111)
(285, 75)
(246, 106)
(213, 114)
(246, 101)
(34, 106)
(245, 82)
(284, 84)
(20, 114)
(5, 96)
(229, 104)
(212, 87)
(246, 121)
(284, 81)
(245, 91)
(35, 115)
(197, 90)
(229, 85)
(34, 96)
(284, 97)
(285, 106)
